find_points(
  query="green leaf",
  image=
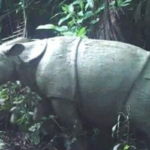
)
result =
(47, 26)
(88, 14)
(56, 15)
(13, 118)
(126, 147)
(119, 3)
(30, 113)
(100, 9)
(80, 13)
(18, 102)
(35, 138)
(126, 3)
(64, 19)
(82, 31)
(79, 21)
(71, 8)
(4, 94)
(13, 109)
(81, 4)
(90, 3)
(71, 23)
(65, 8)
(2, 144)
(62, 28)
(35, 127)
(94, 21)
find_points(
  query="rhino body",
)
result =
(95, 79)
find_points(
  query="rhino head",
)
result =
(16, 52)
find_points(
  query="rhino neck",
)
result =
(25, 73)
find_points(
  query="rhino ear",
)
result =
(33, 50)
(15, 50)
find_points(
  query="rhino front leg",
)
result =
(68, 115)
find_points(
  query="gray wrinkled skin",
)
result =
(83, 77)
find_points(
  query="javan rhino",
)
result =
(84, 78)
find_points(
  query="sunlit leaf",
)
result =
(64, 19)
(94, 21)
(100, 9)
(35, 127)
(2, 144)
(71, 23)
(88, 14)
(62, 28)
(80, 13)
(126, 147)
(90, 3)
(13, 109)
(47, 26)
(65, 8)
(79, 21)
(71, 8)
(82, 31)
(13, 118)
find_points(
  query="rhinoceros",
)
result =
(85, 79)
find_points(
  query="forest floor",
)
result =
(20, 141)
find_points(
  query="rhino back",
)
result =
(106, 73)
